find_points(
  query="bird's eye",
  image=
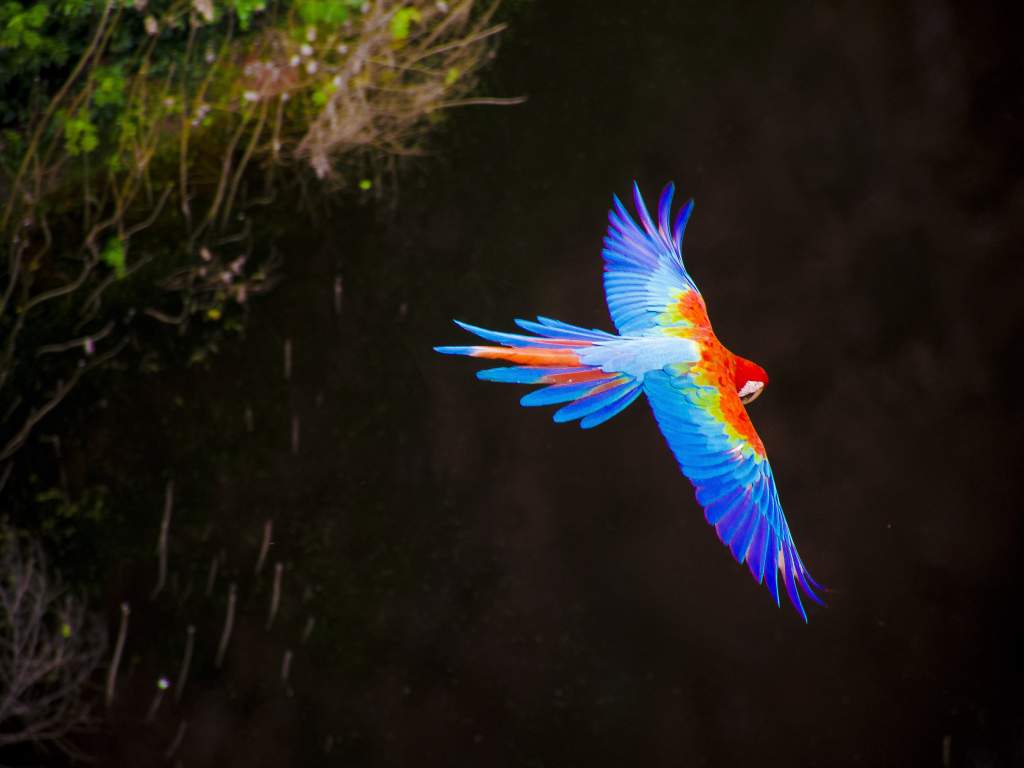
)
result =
(750, 391)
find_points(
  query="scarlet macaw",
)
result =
(697, 388)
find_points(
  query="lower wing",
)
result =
(719, 451)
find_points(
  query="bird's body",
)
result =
(697, 388)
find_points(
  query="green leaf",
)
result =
(110, 86)
(80, 134)
(451, 76)
(335, 12)
(51, 494)
(113, 256)
(245, 9)
(36, 15)
(365, 184)
(401, 21)
(323, 11)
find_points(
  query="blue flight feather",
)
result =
(558, 393)
(523, 374)
(593, 403)
(455, 350)
(553, 328)
(645, 283)
(612, 409)
(665, 209)
(679, 227)
(733, 484)
(508, 339)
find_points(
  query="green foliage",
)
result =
(326, 11)
(80, 134)
(21, 25)
(35, 38)
(62, 517)
(245, 10)
(12, 144)
(110, 86)
(113, 256)
(164, 141)
(401, 21)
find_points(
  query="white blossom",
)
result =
(204, 8)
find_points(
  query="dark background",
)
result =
(493, 589)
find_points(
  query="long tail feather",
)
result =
(551, 358)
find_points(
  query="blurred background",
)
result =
(463, 582)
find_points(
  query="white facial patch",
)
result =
(751, 388)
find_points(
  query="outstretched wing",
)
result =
(645, 283)
(718, 449)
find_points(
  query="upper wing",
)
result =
(645, 282)
(718, 449)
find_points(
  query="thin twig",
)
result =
(268, 531)
(82, 341)
(286, 666)
(115, 662)
(161, 547)
(158, 697)
(212, 575)
(481, 101)
(275, 595)
(229, 623)
(186, 663)
(14, 193)
(243, 163)
(62, 390)
(175, 744)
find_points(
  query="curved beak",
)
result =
(751, 391)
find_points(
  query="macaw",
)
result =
(665, 348)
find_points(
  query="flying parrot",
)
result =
(667, 350)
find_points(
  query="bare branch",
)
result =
(161, 547)
(482, 101)
(229, 623)
(63, 388)
(50, 646)
(83, 341)
(115, 662)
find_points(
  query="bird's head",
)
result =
(750, 379)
